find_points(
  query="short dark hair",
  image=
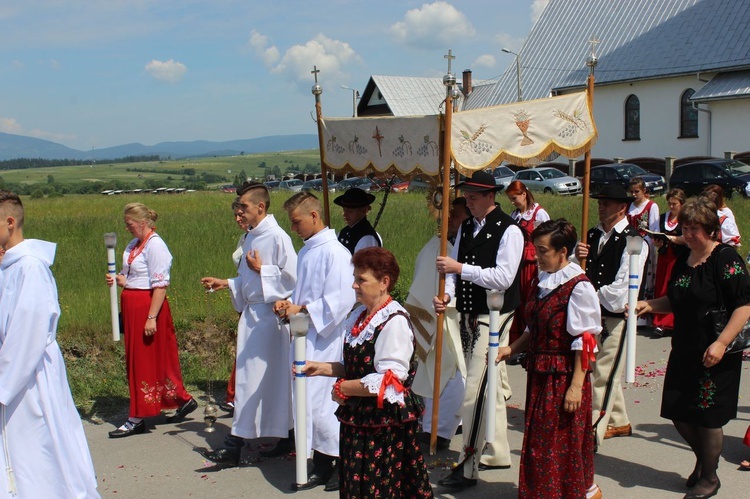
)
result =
(678, 194)
(258, 193)
(236, 205)
(380, 262)
(460, 203)
(701, 211)
(10, 204)
(719, 191)
(562, 234)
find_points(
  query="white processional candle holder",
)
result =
(634, 248)
(495, 300)
(299, 324)
(110, 241)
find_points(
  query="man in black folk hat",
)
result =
(487, 255)
(358, 233)
(607, 268)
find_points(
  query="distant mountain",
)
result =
(19, 146)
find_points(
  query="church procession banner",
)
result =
(522, 133)
(409, 144)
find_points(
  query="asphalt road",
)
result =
(652, 463)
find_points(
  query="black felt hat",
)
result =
(480, 181)
(354, 198)
(615, 193)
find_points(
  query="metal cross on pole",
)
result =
(450, 57)
(315, 72)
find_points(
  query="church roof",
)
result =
(640, 39)
(725, 86)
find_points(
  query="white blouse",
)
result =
(393, 348)
(150, 269)
(584, 313)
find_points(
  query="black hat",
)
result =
(480, 181)
(354, 198)
(615, 193)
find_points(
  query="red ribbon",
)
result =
(588, 355)
(389, 379)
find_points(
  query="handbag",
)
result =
(719, 318)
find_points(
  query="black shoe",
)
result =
(313, 480)
(183, 411)
(457, 481)
(129, 428)
(223, 455)
(227, 407)
(333, 483)
(487, 467)
(694, 495)
(283, 447)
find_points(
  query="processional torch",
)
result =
(299, 324)
(495, 300)
(110, 241)
(634, 248)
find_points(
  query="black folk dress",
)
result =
(380, 456)
(695, 394)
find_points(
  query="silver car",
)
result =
(549, 180)
(294, 185)
(503, 176)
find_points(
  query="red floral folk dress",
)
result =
(380, 456)
(557, 457)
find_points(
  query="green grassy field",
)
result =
(228, 166)
(201, 234)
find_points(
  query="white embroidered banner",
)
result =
(408, 144)
(522, 132)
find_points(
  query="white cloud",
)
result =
(10, 125)
(537, 7)
(486, 60)
(54, 63)
(170, 71)
(260, 46)
(432, 25)
(330, 56)
(16, 64)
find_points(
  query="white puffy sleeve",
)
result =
(393, 351)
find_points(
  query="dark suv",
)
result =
(621, 174)
(730, 174)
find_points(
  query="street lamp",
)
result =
(355, 97)
(518, 72)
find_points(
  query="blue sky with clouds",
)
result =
(100, 73)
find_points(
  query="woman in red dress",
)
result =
(668, 252)
(528, 214)
(153, 366)
(563, 315)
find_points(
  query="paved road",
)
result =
(653, 463)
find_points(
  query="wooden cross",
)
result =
(315, 72)
(450, 57)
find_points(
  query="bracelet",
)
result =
(337, 389)
(151, 317)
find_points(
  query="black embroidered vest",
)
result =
(482, 251)
(602, 266)
(350, 236)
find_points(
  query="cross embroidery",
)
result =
(379, 139)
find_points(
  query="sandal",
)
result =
(745, 465)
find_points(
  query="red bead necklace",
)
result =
(362, 322)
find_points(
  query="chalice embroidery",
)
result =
(522, 122)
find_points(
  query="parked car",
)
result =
(549, 180)
(420, 183)
(293, 184)
(733, 176)
(503, 176)
(401, 186)
(621, 174)
(363, 183)
(272, 185)
(317, 185)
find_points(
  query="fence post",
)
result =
(729, 154)
(668, 167)
(619, 160)
(572, 167)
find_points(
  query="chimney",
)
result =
(467, 81)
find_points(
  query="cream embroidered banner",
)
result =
(523, 132)
(408, 144)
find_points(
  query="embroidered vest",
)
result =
(350, 236)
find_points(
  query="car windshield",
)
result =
(503, 171)
(737, 168)
(628, 171)
(550, 173)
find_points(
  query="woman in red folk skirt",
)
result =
(528, 214)
(152, 362)
(563, 317)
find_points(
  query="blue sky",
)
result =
(100, 73)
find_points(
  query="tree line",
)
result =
(25, 163)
